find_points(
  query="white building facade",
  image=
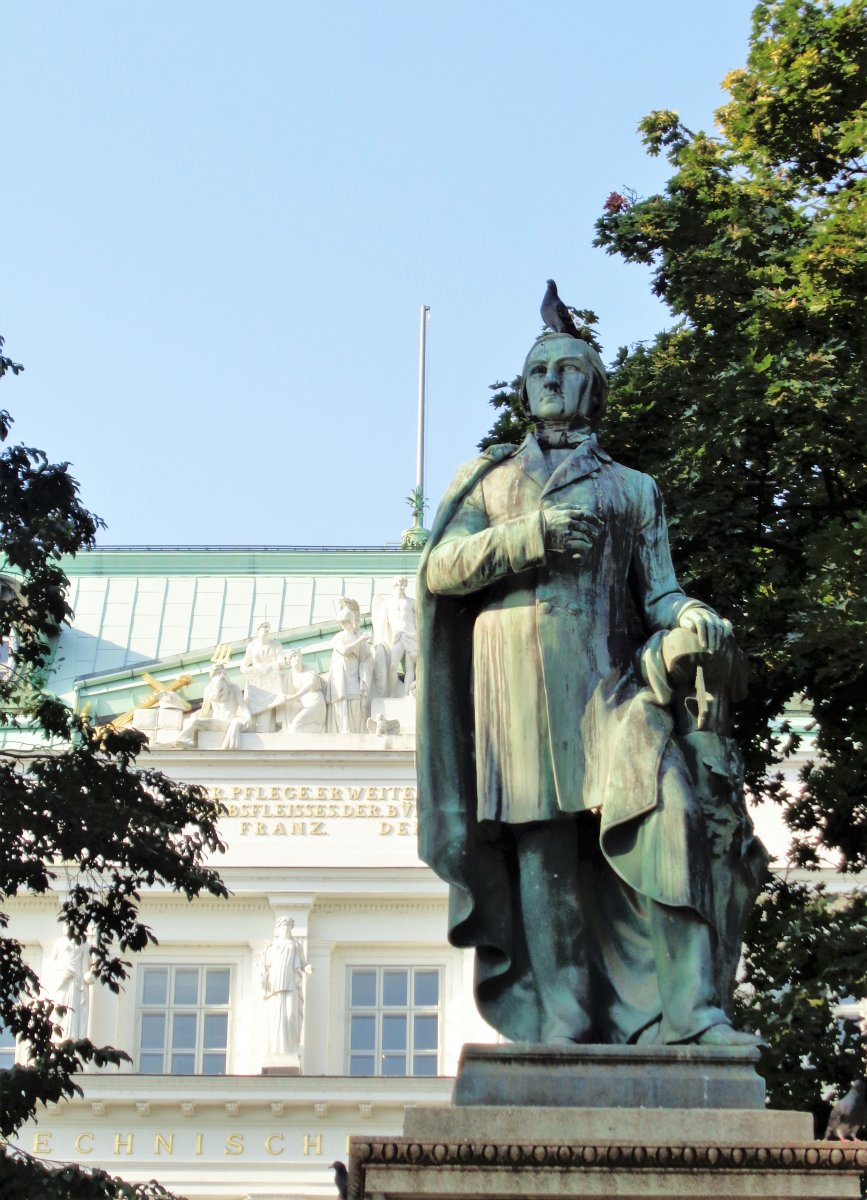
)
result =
(320, 828)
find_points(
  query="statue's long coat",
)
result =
(487, 582)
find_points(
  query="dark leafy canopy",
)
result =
(751, 411)
(805, 949)
(752, 414)
(74, 805)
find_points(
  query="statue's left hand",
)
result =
(710, 628)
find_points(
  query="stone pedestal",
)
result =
(618, 1122)
(281, 1064)
(610, 1076)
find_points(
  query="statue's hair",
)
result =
(598, 373)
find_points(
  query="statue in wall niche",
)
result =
(305, 708)
(263, 690)
(224, 710)
(67, 980)
(577, 786)
(394, 640)
(350, 672)
(283, 970)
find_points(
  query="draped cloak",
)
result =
(608, 734)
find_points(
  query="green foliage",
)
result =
(805, 949)
(26, 1178)
(74, 801)
(751, 411)
(513, 421)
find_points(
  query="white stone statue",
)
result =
(350, 672)
(67, 980)
(224, 710)
(283, 970)
(261, 669)
(394, 638)
(305, 708)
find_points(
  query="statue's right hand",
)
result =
(572, 529)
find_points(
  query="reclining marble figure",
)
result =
(576, 784)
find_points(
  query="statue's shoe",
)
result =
(725, 1035)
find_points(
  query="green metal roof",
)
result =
(165, 609)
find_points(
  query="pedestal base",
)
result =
(281, 1064)
(607, 1150)
(610, 1076)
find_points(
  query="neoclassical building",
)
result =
(241, 1084)
(321, 998)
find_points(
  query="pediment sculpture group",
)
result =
(282, 693)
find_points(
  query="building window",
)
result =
(184, 1020)
(394, 1020)
(7, 1048)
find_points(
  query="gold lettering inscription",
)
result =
(315, 1142)
(384, 803)
(161, 1143)
(198, 1143)
(81, 1149)
(42, 1143)
(270, 1139)
(234, 1144)
(127, 1143)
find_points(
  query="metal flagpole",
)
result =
(422, 377)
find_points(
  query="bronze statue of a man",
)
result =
(600, 868)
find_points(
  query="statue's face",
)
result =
(558, 382)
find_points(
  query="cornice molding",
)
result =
(630, 1157)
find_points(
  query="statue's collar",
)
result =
(584, 460)
(561, 439)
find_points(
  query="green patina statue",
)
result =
(577, 788)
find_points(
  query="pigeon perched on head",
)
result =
(341, 1178)
(555, 314)
(849, 1114)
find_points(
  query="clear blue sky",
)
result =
(220, 217)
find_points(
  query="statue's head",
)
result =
(399, 583)
(349, 613)
(284, 926)
(295, 659)
(218, 688)
(263, 629)
(564, 381)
